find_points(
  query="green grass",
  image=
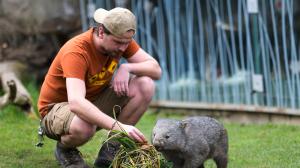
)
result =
(250, 146)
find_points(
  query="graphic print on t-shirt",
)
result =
(105, 75)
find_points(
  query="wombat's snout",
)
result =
(158, 147)
(158, 144)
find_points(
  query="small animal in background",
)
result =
(189, 142)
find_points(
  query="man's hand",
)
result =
(121, 81)
(134, 133)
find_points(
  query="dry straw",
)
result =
(133, 154)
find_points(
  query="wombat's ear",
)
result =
(183, 125)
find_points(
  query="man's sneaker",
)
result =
(106, 154)
(69, 157)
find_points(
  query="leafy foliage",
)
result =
(136, 155)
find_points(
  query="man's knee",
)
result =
(81, 129)
(146, 87)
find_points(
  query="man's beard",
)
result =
(114, 53)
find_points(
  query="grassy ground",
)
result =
(250, 146)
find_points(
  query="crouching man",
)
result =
(80, 91)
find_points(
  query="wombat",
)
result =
(189, 142)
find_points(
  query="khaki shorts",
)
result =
(57, 121)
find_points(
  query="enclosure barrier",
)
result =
(237, 53)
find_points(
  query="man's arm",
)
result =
(142, 64)
(88, 112)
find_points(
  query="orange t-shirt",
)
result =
(78, 58)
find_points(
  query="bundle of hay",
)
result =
(132, 154)
(136, 155)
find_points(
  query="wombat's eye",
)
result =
(167, 136)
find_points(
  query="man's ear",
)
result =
(100, 32)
